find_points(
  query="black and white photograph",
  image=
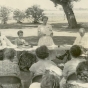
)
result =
(43, 43)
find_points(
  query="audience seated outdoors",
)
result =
(82, 77)
(70, 66)
(50, 79)
(39, 67)
(44, 73)
(8, 67)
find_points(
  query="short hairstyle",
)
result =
(42, 52)
(82, 29)
(19, 32)
(9, 53)
(44, 17)
(50, 80)
(81, 67)
(75, 51)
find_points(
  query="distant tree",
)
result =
(18, 15)
(67, 7)
(36, 13)
(4, 14)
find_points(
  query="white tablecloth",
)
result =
(53, 50)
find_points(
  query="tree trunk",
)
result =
(3, 22)
(35, 20)
(70, 15)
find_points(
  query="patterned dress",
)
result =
(8, 68)
(76, 86)
(45, 32)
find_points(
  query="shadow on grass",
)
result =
(59, 27)
(63, 27)
(18, 25)
(59, 40)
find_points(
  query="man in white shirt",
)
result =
(81, 39)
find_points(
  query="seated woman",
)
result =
(50, 79)
(82, 76)
(8, 67)
(70, 66)
(39, 67)
(45, 33)
(20, 41)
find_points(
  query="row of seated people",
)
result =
(52, 75)
(45, 34)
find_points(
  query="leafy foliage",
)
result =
(18, 15)
(4, 14)
(36, 12)
(62, 1)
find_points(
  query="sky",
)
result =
(45, 4)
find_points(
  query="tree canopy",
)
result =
(4, 14)
(35, 11)
(67, 8)
(18, 15)
(62, 1)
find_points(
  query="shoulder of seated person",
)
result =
(49, 25)
(34, 64)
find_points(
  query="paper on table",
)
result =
(52, 47)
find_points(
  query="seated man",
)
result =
(81, 39)
(70, 66)
(20, 41)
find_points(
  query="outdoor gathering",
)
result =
(43, 44)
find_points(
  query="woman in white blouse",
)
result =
(45, 33)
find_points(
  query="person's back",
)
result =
(42, 54)
(8, 68)
(70, 66)
(81, 75)
(40, 66)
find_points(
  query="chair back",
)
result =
(37, 78)
(72, 77)
(9, 80)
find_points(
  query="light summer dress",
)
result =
(45, 32)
